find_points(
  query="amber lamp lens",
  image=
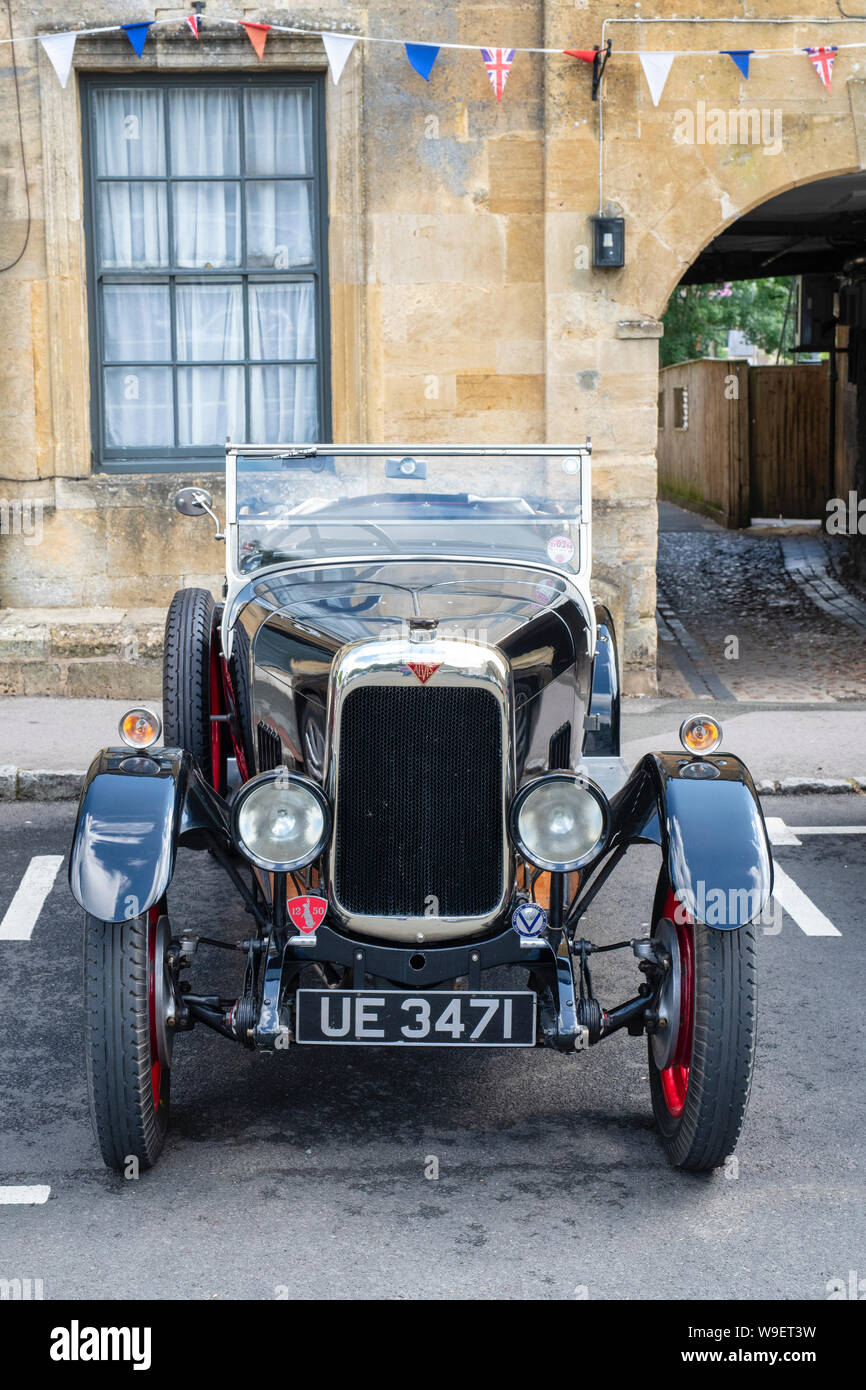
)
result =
(139, 728)
(701, 734)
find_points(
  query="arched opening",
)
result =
(762, 455)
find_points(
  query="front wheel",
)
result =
(128, 1041)
(701, 1062)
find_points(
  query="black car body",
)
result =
(400, 737)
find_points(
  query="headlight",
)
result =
(281, 821)
(140, 727)
(560, 822)
(700, 734)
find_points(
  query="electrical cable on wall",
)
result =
(20, 255)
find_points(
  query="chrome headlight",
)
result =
(281, 821)
(560, 822)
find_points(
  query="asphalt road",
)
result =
(304, 1173)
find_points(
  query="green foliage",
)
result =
(698, 317)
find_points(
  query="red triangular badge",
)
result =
(424, 669)
(257, 34)
(587, 54)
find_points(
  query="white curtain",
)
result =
(201, 129)
(278, 131)
(282, 320)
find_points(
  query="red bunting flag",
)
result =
(498, 64)
(822, 61)
(193, 21)
(257, 34)
(587, 54)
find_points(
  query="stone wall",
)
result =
(463, 303)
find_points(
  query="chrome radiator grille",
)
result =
(419, 817)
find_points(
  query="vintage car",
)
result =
(399, 738)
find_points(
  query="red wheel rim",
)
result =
(216, 725)
(155, 1064)
(675, 1078)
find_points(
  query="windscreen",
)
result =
(362, 505)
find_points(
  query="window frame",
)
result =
(179, 458)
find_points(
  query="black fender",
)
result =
(134, 811)
(603, 714)
(705, 815)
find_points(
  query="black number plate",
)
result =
(431, 1018)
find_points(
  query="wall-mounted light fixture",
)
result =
(608, 242)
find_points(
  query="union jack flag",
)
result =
(498, 64)
(822, 60)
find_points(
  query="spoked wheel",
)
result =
(128, 1040)
(701, 1058)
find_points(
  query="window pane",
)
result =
(282, 319)
(279, 224)
(138, 408)
(204, 131)
(283, 405)
(278, 131)
(129, 135)
(207, 228)
(210, 405)
(132, 225)
(136, 323)
(210, 322)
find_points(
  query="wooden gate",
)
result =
(788, 440)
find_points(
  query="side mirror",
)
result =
(197, 501)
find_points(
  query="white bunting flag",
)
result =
(656, 67)
(60, 48)
(338, 47)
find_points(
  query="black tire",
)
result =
(186, 658)
(722, 1052)
(128, 1082)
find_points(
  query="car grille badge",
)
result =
(424, 669)
(306, 913)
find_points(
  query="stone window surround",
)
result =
(68, 349)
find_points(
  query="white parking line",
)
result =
(779, 832)
(24, 1196)
(808, 917)
(827, 829)
(23, 912)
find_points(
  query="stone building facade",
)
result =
(462, 304)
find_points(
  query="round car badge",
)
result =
(529, 921)
(560, 549)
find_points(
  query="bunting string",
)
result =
(422, 56)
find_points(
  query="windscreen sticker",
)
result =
(560, 549)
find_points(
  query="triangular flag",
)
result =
(338, 47)
(587, 54)
(60, 48)
(741, 57)
(422, 56)
(656, 67)
(258, 35)
(498, 64)
(193, 20)
(137, 34)
(822, 61)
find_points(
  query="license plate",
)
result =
(429, 1018)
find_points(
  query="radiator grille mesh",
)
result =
(419, 802)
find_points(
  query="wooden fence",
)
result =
(737, 441)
